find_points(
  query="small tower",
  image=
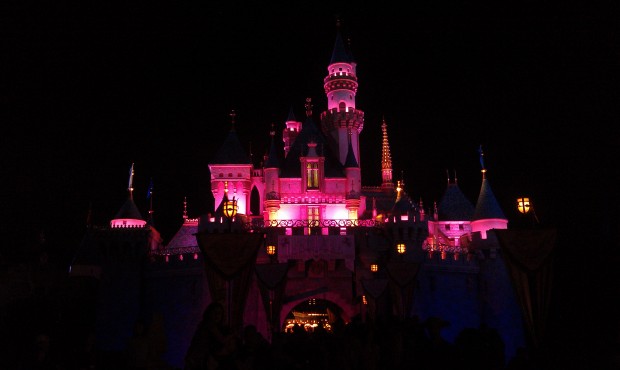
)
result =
(128, 215)
(488, 214)
(232, 165)
(290, 132)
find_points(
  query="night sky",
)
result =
(89, 88)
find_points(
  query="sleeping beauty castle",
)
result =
(300, 239)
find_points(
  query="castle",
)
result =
(298, 238)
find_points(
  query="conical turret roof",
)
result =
(129, 210)
(454, 206)
(273, 160)
(231, 151)
(487, 206)
(340, 53)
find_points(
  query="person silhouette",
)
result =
(213, 344)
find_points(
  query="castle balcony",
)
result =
(340, 76)
(319, 199)
(259, 224)
(351, 118)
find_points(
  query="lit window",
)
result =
(313, 175)
(313, 213)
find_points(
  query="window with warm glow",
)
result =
(312, 175)
(313, 214)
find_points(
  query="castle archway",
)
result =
(312, 312)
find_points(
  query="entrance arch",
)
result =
(338, 308)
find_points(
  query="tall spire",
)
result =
(386, 159)
(232, 115)
(483, 170)
(487, 206)
(272, 157)
(149, 197)
(130, 185)
(185, 208)
(351, 161)
(308, 106)
(128, 215)
(89, 215)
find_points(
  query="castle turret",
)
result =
(128, 215)
(341, 115)
(290, 132)
(232, 166)
(488, 214)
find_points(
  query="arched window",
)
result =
(254, 202)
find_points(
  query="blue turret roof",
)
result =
(454, 206)
(273, 160)
(403, 205)
(231, 151)
(291, 115)
(487, 206)
(340, 53)
(129, 210)
(350, 161)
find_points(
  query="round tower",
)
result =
(341, 116)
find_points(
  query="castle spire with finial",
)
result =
(483, 170)
(130, 185)
(308, 106)
(232, 115)
(386, 159)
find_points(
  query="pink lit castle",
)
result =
(299, 239)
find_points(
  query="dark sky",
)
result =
(90, 88)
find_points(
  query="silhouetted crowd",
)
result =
(389, 344)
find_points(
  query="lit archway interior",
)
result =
(313, 314)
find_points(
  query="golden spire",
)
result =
(386, 159)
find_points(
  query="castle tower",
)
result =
(290, 132)
(233, 167)
(116, 256)
(488, 214)
(128, 215)
(341, 115)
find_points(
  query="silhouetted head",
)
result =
(214, 312)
